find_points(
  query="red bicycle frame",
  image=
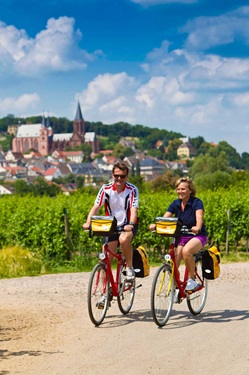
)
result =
(181, 284)
(120, 263)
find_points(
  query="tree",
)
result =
(205, 164)
(213, 181)
(121, 151)
(165, 182)
(156, 153)
(138, 169)
(206, 148)
(245, 160)
(172, 149)
(233, 156)
(87, 150)
(22, 188)
(138, 181)
(41, 187)
(197, 142)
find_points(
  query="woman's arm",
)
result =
(199, 221)
(168, 214)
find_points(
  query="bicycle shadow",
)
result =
(178, 319)
(181, 319)
(118, 320)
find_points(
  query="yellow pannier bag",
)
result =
(141, 262)
(211, 263)
(168, 226)
(103, 225)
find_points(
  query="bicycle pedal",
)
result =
(189, 292)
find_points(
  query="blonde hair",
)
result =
(190, 183)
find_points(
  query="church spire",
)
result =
(79, 123)
(78, 116)
(43, 120)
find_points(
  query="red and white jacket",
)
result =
(118, 205)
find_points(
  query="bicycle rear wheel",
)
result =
(196, 301)
(162, 293)
(126, 293)
(98, 294)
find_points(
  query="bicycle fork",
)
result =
(171, 263)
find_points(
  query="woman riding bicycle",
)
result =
(190, 210)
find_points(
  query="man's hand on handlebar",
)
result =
(86, 226)
(128, 228)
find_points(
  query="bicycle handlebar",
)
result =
(187, 231)
(184, 230)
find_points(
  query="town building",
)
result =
(41, 138)
(186, 150)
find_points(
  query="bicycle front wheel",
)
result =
(98, 294)
(162, 294)
(126, 293)
(196, 301)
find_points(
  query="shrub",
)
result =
(15, 261)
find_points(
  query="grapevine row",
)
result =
(39, 223)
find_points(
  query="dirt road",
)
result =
(45, 330)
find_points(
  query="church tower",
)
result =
(79, 123)
(78, 137)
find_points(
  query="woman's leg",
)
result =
(178, 255)
(192, 247)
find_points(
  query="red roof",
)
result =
(50, 172)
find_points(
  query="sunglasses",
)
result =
(120, 175)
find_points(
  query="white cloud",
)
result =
(105, 88)
(162, 91)
(17, 105)
(241, 100)
(197, 71)
(53, 49)
(208, 32)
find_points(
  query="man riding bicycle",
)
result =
(120, 199)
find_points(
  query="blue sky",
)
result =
(180, 65)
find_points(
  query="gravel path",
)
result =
(45, 329)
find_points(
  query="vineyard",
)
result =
(50, 228)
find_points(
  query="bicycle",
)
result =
(167, 285)
(105, 283)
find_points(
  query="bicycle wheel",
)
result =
(98, 294)
(162, 293)
(196, 301)
(126, 293)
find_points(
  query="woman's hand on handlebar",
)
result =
(152, 227)
(195, 230)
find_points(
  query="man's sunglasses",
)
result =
(120, 175)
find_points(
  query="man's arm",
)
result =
(94, 210)
(134, 214)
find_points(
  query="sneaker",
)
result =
(130, 274)
(101, 303)
(176, 296)
(191, 285)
